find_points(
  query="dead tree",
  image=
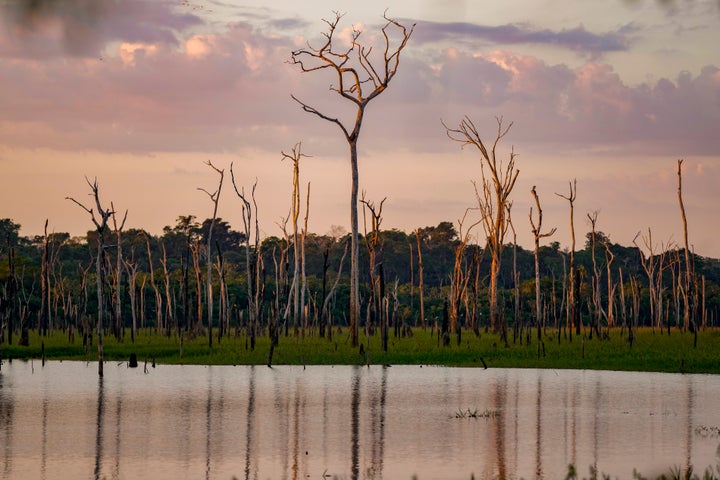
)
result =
(420, 279)
(169, 317)
(100, 228)
(622, 296)
(537, 235)
(517, 324)
(294, 156)
(460, 277)
(492, 198)
(215, 198)
(253, 281)
(223, 317)
(156, 290)
(654, 266)
(360, 78)
(688, 312)
(573, 311)
(131, 268)
(325, 312)
(283, 289)
(45, 285)
(597, 310)
(12, 291)
(609, 259)
(195, 253)
(634, 320)
(118, 268)
(304, 307)
(375, 310)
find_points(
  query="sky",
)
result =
(140, 94)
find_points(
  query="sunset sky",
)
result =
(141, 93)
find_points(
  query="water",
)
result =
(190, 422)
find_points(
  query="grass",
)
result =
(675, 473)
(651, 351)
(475, 413)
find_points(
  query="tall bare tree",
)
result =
(156, 290)
(360, 77)
(215, 198)
(492, 197)
(460, 276)
(516, 287)
(131, 267)
(688, 314)
(119, 267)
(101, 228)
(169, 317)
(375, 311)
(45, 284)
(573, 317)
(251, 265)
(537, 235)
(609, 259)
(420, 279)
(597, 310)
(294, 156)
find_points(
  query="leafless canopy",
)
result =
(105, 214)
(496, 190)
(493, 197)
(359, 77)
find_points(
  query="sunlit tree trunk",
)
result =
(45, 285)
(118, 269)
(609, 258)
(131, 269)
(198, 287)
(688, 314)
(420, 279)
(215, 198)
(596, 305)
(537, 235)
(573, 317)
(492, 198)
(158, 296)
(100, 227)
(358, 81)
(169, 318)
(516, 283)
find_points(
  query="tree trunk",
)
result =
(98, 273)
(688, 314)
(420, 280)
(354, 248)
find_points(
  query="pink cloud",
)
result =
(231, 89)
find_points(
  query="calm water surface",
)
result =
(191, 422)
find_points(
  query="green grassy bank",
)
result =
(651, 351)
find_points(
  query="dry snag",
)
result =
(360, 77)
(492, 197)
(100, 228)
(537, 235)
(215, 198)
(573, 313)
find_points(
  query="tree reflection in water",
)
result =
(99, 429)
(349, 422)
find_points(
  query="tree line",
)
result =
(424, 278)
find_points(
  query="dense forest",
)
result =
(429, 278)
